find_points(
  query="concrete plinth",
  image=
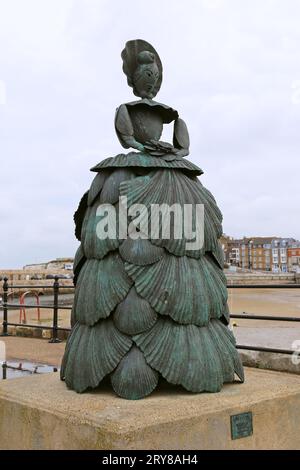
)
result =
(39, 412)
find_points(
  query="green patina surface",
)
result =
(146, 309)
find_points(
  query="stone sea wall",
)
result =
(262, 278)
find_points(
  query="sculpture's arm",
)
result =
(181, 140)
(124, 129)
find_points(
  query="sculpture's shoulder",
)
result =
(167, 113)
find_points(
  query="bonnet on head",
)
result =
(136, 53)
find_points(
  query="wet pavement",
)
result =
(37, 351)
(13, 370)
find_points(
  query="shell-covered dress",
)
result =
(149, 308)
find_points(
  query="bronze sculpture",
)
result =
(146, 306)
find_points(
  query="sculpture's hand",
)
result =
(181, 152)
(131, 142)
(138, 146)
(158, 148)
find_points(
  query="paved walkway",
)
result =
(33, 350)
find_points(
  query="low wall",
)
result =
(248, 279)
(39, 412)
(22, 277)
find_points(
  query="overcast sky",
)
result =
(231, 68)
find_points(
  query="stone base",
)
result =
(39, 412)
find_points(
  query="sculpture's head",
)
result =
(146, 75)
(143, 68)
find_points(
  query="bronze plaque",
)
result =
(241, 425)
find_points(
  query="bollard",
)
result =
(54, 338)
(5, 309)
(4, 368)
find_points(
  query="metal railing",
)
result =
(5, 307)
(247, 316)
(55, 328)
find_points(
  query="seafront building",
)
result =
(293, 257)
(273, 254)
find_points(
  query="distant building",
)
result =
(224, 240)
(57, 264)
(234, 252)
(60, 263)
(35, 267)
(293, 257)
(263, 253)
(279, 255)
(255, 253)
(231, 251)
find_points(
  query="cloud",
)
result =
(231, 68)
